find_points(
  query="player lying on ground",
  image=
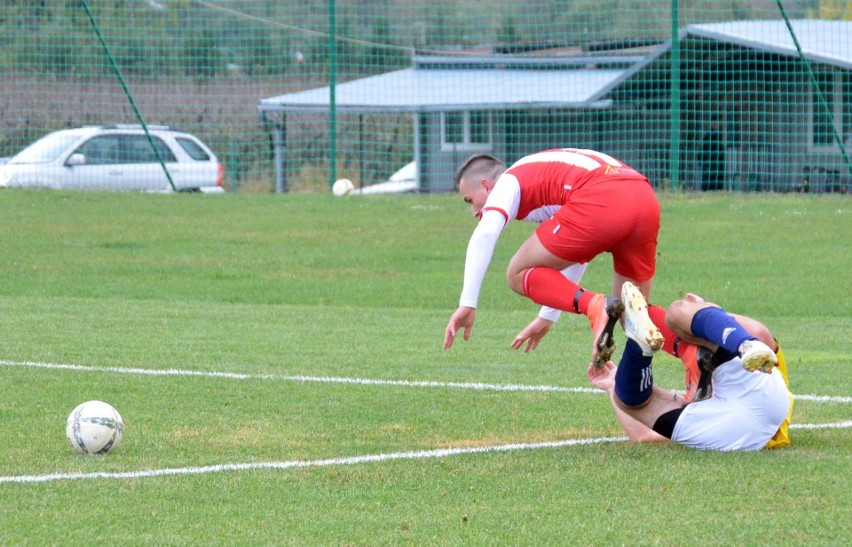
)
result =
(586, 203)
(738, 409)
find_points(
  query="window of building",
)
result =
(468, 131)
(827, 117)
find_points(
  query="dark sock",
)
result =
(717, 326)
(633, 380)
(723, 356)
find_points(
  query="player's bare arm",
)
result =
(603, 378)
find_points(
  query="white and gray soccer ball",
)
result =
(94, 427)
(342, 187)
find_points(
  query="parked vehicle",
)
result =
(115, 157)
(403, 181)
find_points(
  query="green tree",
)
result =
(385, 54)
(508, 32)
(201, 56)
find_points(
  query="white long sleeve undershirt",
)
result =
(480, 249)
(501, 206)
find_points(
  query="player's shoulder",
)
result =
(507, 180)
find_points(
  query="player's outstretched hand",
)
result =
(692, 297)
(532, 334)
(463, 317)
(603, 377)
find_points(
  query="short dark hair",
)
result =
(480, 165)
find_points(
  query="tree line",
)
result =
(270, 38)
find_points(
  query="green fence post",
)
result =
(233, 165)
(121, 81)
(815, 87)
(675, 97)
(332, 78)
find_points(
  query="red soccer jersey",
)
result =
(547, 178)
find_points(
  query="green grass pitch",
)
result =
(278, 364)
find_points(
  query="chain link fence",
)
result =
(711, 95)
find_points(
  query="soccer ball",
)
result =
(342, 187)
(94, 427)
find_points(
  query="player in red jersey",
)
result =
(586, 203)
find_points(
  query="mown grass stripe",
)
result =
(330, 462)
(343, 380)
(354, 460)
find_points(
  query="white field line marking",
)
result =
(355, 460)
(339, 380)
(823, 398)
(320, 379)
(835, 425)
(372, 458)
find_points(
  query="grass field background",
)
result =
(263, 296)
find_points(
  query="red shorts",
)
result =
(615, 215)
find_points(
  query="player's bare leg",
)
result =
(536, 273)
(660, 402)
(532, 254)
(681, 311)
(644, 287)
